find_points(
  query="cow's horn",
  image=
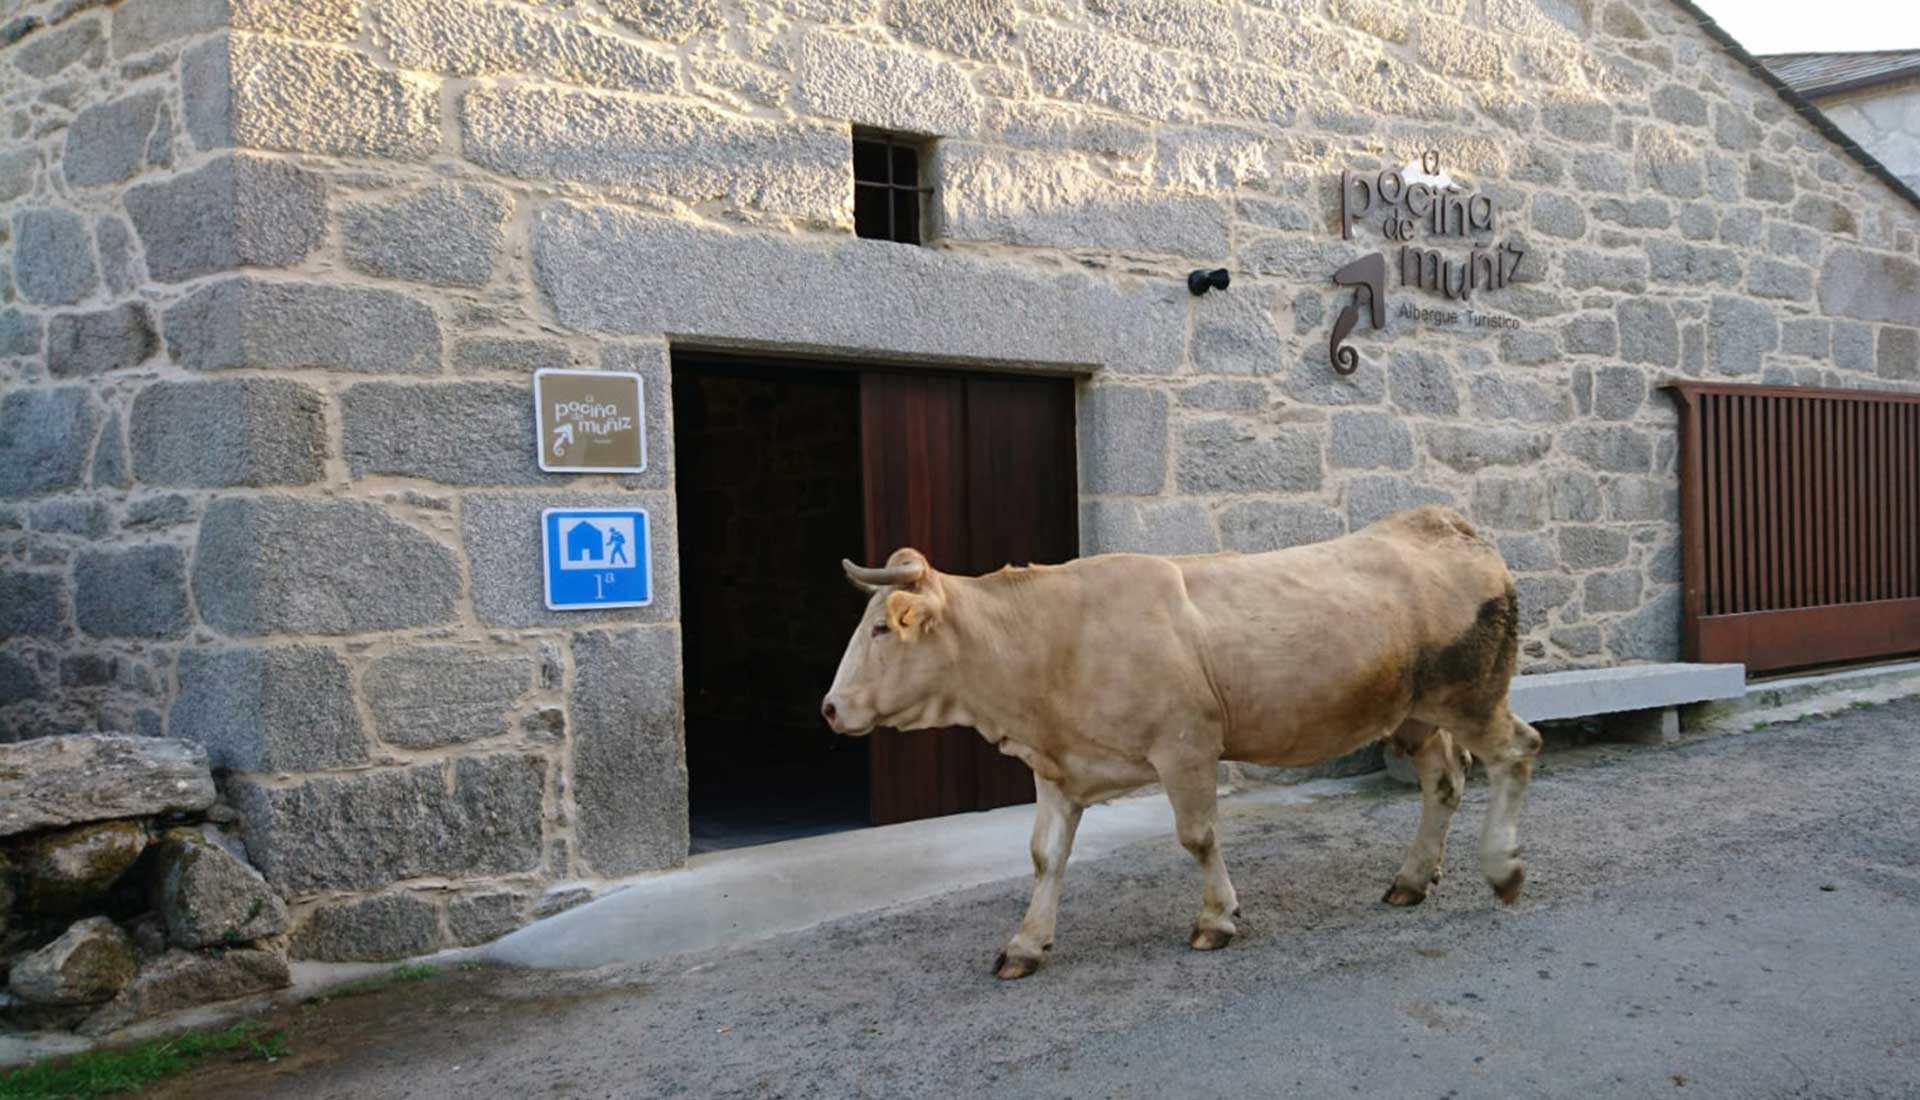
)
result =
(869, 579)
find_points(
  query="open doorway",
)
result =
(784, 468)
(767, 465)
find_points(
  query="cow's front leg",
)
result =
(1190, 787)
(1055, 819)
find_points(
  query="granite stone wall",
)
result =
(281, 270)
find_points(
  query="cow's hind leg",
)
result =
(1190, 787)
(1056, 818)
(1507, 746)
(1442, 781)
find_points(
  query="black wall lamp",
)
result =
(1199, 282)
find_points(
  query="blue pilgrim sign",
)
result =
(597, 557)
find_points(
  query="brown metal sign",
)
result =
(590, 421)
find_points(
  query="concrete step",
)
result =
(1587, 692)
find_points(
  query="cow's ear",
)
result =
(911, 614)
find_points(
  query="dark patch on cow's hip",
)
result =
(1482, 654)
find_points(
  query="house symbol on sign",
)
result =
(584, 542)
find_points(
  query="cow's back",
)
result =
(1316, 650)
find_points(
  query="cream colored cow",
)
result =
(1112, 672)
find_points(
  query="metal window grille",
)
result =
(889, 199)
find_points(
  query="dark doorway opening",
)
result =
(781, 470)
(767, 468)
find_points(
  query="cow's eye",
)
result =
(879, 629)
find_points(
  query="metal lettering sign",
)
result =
(1412, 202)
(596, 557)
(590, 421)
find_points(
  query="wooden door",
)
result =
(975, 471)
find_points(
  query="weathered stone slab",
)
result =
(72, 869)
(267, 565)
(238, 211)
(1275, 525)
(615, 271)
(629, 763)
(401, 430)
(108, 143)
(1039, 199)
(440, 695)
(184, 979)
(284, 709)
(32, 605)
(1123, 440)
(652, 146)
(84, 344)
(229, 432)
(208, 898)
(131, 592)
(447, 234)
(88, 964)
(50, 782)
(1079, 66)
(466, 38)
(476, 918)
(364, 831)
(53, 257)
(1219, 456)
(839, 76)
(1871, 286)
(246, 322)
(377, 929)
(266, 93)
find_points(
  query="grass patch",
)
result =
(112, 1072)
(408, 972)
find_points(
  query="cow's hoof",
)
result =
(1509, 891)
(1009, 967)
(1209, 939)
(1404, 896)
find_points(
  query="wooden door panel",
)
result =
(913, 444)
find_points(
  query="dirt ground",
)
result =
(1735, 917)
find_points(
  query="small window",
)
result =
(889, 199)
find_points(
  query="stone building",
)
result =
(280, 271)
(1873, 97)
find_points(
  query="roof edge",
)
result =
(1800, 104)
(1892, 76)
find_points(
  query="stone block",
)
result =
(1528, 553)
(52, 257)
(1616, 449)
(1219, 456)
(1196, 29)
(401, 430)
(1274, 525)
(653, 146)
(1578, 120)
(1509, 504)
(1871, 286)
(749, 287)
(69, 871)
(1592, 547)
(1575, 496)
(245, 322)
(1648, 332)
(119, 267)
(187, 979)
(54, 782)
(1309, 381)
(1681, 105)
(18, 168)
(1517, 399)
(1640, 499)
(368, 829)
(1808, 336)
(1042, 200)
(135, 592)
(430, 696)
(1528, 348)
(1670, 166)
(1540, 595)
(19, 683)
(1367, 440)
(1083, 67)
(1616, 590)
(238, 211)
(1235, 334)
(1470, 449)
(164, 510)
(89, 519)
(979, 29)
(225, 433)
(629, 762)
(107, 143)
(1583, 640)
(1558, 216)
(1824, 214)
(285, 709)
(1164, 527)
(1590, 334)
(1650, 634)
(446, 234)
(1602, 271)
(668, 20)
(19, 333)
(270, 565)
(32, 605)
(476, 918)
(141, 25)
(1221, 395)
(1692, 264)
(206, 897)
(842, 77)
(376, 929)
(500, 532)
(51, 52)
(1618, 392)
(1769, 180)
(1853, 346)
(1699, 221)
(1423, 384)
(1376, 496)
(1772, 279)
(1733, 128)
(90, 962)
(254, 92)
(509, 354)
(1600, 172)
(469, 38)
(84, 344)
(1898, 355)
(1740, 332)
(316, 20)
(1123, 440)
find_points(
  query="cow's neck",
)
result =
(999, 652)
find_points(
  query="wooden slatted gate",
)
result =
(1798, 519)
